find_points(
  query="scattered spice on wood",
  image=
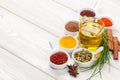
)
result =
(88, 13)
(107, 21)
(115, 48)
(73, 70)
(72, 26)
(110, 38)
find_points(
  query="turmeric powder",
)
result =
(68, 42)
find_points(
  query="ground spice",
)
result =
(58, 58)
(107, 22)
(68, 42)
(72, 26)
(88, 13)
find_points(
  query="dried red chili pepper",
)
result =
(88, 13)
(58, 58)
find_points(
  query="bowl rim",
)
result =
(69, 48)
(79, 49)
(54, 52)
(69, 22)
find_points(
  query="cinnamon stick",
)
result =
(119, 43)
(115, 48)
(119, 47)
(110, 38)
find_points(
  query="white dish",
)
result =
(60, 66)
(69, 50)
(89, 63)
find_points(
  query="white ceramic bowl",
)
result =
(90, 9)
(74, 33)
(69, 50)
(70, 33)
(60, 66)
(82, 64)
(92, 60)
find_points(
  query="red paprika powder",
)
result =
(58, 58)
(107, 22)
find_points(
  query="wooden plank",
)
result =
(40, 13)
(12, 68)
(112, 11)
(32, 55)
(19, 28)
(24, 44)
(77, 5)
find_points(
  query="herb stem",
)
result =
(99, 63)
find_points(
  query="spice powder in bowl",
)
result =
(59, 59)
(88, 13)
(107, 21)
(68, 43)
(71, 28)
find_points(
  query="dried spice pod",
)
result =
(73, 70)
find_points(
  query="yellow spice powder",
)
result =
(68, 42)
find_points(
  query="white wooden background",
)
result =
(26, 27)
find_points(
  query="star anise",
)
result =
(73, 70)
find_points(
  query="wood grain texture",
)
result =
(12, 68)
(26, 27)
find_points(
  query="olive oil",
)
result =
(90, 35)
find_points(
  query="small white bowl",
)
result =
(92, 60)
(69, 50)
(71, 23)
(66, 32)
(89, 9)
(59, 66)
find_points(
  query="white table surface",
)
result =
(26, 27)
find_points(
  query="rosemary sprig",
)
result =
(99, 63)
